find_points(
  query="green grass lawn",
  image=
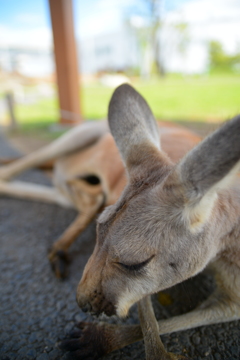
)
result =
(199, 99)
(213, 98)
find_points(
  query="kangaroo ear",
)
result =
(210, 166)
(133, 126)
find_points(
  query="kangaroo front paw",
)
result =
(89, 342)
(59, 261)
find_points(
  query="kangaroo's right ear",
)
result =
(133, 127)
(210, 166)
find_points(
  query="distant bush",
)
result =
(220, 61)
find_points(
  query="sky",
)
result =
(212, 20)
(26, 23)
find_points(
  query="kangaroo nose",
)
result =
(82, 300)
(87, 307)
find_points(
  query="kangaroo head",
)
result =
(163, 229)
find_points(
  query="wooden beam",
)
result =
(66, 61)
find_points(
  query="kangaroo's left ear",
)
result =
(210, 166)
(134, 129)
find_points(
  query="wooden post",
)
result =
(66, 61)
(10, 106)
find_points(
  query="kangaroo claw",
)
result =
(59, 261)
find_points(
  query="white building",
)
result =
(31, 62)
(115, 51)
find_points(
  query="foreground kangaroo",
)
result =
(170, 222)
(88, 175)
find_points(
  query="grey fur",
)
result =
(137, 121)
(212, 159)
(156, 219)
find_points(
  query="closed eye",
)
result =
(136, 267)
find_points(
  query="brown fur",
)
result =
(87, 150)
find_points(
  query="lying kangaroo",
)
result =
(88, 175)
(170, 222)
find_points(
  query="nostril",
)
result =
(87, 308)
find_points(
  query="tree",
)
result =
(147, 33)
(156, 23)
(153, 37)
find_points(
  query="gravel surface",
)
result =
(37, 310)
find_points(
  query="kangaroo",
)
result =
(170, 222)
(88, 175)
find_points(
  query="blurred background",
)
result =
(182, 55)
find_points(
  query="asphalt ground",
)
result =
(37, 310)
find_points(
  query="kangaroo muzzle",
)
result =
(94, 302)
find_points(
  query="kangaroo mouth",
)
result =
(108, 309)
(97, 306)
